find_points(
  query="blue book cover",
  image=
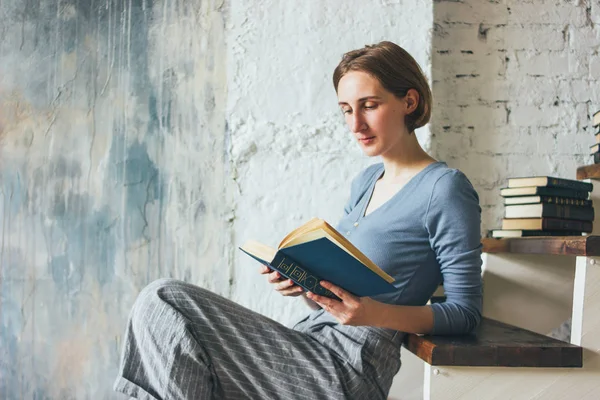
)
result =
(306, 264)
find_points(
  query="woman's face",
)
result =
(374, 115)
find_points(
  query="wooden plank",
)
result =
(495, 344)
(560, 245)
(588, 172)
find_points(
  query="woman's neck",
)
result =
(405, 161)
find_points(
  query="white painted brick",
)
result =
(501, 139)
(535, 90)
(471, 90)
(478, 115)
(470, 12)
(595, 12)
(586, 37)
(595, 67)
(537, 37)
(549, 63)
(572, 141)
(579, 91)
(526, 115)
(455, 142)
(456, 38)
(536, 14)
(541, 64)
(488, 66)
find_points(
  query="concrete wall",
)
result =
(144, 139)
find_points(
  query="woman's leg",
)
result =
(185, 342)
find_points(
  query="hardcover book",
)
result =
(544, 191)
(547, 199)
(506, 233)
(547, 224)
(315, 251)
(549, 181)
(549, 210)
(596, 119)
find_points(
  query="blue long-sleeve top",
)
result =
(428, 232)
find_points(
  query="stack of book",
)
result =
(595, 149)
(545, 206)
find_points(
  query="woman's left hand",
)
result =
(351, 310)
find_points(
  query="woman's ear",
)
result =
(412, 100)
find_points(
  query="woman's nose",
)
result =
(358, 123)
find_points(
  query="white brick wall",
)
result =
(514, 84)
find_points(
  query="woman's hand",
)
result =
(351, 310)
(284, 286)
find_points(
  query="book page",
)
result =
(306, 227)
(257, 249)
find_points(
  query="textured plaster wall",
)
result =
(515, 83)
(143, 139)
(112, 169)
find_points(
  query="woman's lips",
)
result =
(368, 140)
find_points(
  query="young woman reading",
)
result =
(413, 216)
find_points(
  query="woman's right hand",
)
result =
(284, 286)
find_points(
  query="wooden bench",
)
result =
(495, 344)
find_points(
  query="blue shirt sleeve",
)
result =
(453, 221)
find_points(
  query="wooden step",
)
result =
(495, 344)
(588, 172)
(561, 245)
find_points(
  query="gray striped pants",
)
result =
(185, 342)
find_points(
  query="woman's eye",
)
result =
(370, 106)
(346, 111)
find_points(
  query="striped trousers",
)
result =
(185, 342)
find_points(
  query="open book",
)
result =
(315, 251)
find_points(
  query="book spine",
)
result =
(597, 157)
(527, 233)
(569, 184)
(566, 201)
(532, 233)
(561, 192)
(300, 276)
(568, 212)
(552, 224)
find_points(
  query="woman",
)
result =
(414, 217)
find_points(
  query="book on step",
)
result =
(507, 233)
(315, 251)
(547, 199)
(547, 224)
(549, 181)
(549, 210)
(544, 191)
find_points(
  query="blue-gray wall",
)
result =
(112, 168)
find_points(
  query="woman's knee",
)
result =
(152, 298)
(166, 291)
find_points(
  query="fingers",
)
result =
(338, 291)
(274, 277)
(325, 302)
(293, 291)
(284, 285)
(264, 269)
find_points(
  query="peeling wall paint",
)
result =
(112, 135)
